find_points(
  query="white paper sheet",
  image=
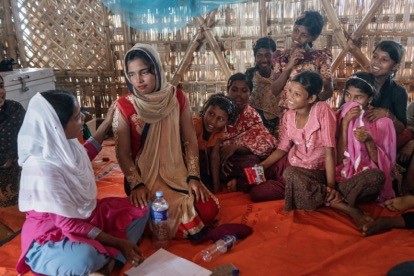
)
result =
(165, 263)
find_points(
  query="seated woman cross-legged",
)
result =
(153, 128)
(366, 150)
(67, 230)
(303, 164)
(247, 141)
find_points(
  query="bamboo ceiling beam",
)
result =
(357, 33)
(216, 48)
(107, 31)
(263, 18)
(194, 43)
(10, 37)
(347, 45)
(19, 34)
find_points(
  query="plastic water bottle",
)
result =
(221, 246)
(159, 218)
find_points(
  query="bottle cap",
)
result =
(159, 194)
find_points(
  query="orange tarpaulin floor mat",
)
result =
(321, 242)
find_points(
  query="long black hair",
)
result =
(311, 81)
(313, 21)
(239, 77)
(363, 81)
(224, 103)
(63, 102)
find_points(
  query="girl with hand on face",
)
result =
(152, 126)
(308, 138)
(247, 141)
(365, 150)
(210, 127)
(301, 57)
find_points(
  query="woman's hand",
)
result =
(406, 152)
(362, 135)
(225, 153)
(199, 190)
(333, 196)
(110, 114)
(296, 56)
(131, 252)
(139, 197)
(352, 113)
(374, 114)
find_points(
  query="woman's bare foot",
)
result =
(400, 203)
(232, 185)
(360, 218)
(357, 215)
(380, 224)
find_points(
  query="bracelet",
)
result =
(192, 177)
(137, 186)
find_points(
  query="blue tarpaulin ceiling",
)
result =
(162, 15)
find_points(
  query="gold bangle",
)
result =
(193, 166)
(134, 177)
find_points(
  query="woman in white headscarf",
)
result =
(156, 146)
(68, 231)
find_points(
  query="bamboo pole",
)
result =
(263, 18)
(19, 34)
(367, 18)
(194, 43)
(107, 31)
(216, 48)
(357, 34)
(333, 19)
(10, 37)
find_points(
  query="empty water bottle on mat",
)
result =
(159, 218)
(221, 246)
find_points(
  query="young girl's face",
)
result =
(381, 64)
(239, 91)
(353, 94)
(297, 96)
(215, 119)
(301, 37)
(140, 76)
(74, 126)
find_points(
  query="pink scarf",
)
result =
(356, 155)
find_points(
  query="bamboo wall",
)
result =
(85, 44)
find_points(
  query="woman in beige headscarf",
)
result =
(153, 126)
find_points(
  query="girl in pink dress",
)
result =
(308, 140)
(366, 150)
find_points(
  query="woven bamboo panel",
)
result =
(63, 34)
